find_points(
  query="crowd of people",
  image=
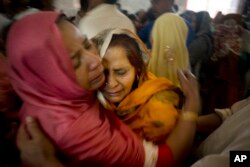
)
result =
(108, 89)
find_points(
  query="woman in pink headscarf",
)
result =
(55, 75)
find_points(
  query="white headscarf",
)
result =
(103, 40)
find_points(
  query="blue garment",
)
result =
(145, 32)
(191, 33)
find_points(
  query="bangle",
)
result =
(223, 113)
(189, 116)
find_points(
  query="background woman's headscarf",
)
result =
(169, 51)
(201, 47)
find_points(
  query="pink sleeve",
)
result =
(101, 140)
(165, 157)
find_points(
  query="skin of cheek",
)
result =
(82, 77)
(120, 74)
(90, 79)
(124, 86)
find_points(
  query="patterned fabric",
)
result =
(226, 39)
(223, 75)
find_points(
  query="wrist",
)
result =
(192, 105)
(53, 162)
(223, 113)
(189, 116)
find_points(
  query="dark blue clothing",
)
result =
(191, 33)
(145, 32)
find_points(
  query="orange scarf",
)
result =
(150, 109)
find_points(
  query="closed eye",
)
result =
(76, 58)
(120, 72)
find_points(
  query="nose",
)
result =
(111, 81)
(93, 65)
(93, 60)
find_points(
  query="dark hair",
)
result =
(134, 53)
(16, 4)
(42, 4)
(200, 18)
(84, 5)
(3, 7)
(37, 4)
(3, 37)
(110, 1)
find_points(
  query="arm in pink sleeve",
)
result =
(101, 141)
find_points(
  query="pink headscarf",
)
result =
(43, 76)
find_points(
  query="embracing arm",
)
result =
(116, 146)
(36, 149)
(208, 123)
(181, 138)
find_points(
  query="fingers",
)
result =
(185, 77)
(188, 83)
(185, 74)
(33, 128)
(190, 88)
(181, 77)
(22, 136)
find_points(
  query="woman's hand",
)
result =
(181, 138)
(35, 148)
(190, 90)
